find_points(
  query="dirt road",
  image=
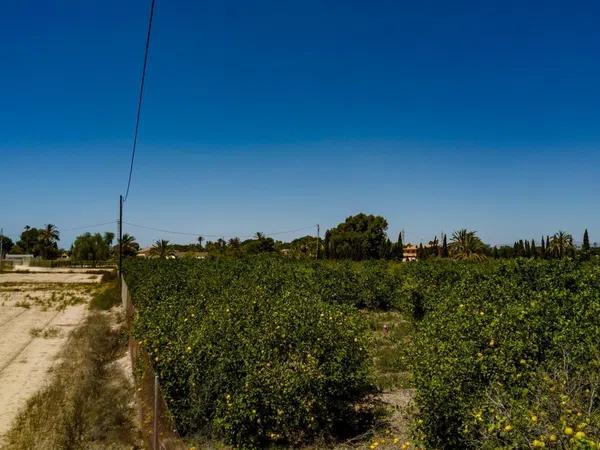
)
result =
(37, 312)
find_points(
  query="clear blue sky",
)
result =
(274, 115)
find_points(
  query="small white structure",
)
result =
(19, 260)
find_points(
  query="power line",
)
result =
(82, 227)
(162, 230)
(184, 233)
(139, 108)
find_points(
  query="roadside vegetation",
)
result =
(88, 401)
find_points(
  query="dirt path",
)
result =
(31, 336)
(49, 277)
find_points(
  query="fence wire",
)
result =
(157, 424)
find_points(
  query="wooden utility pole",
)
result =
(120, 236)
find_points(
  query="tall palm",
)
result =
(129, 245)
(466, 245)
(49, 235)
(561, 243)
(162, 249)
(200, 240)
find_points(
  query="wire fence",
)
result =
(157, 424)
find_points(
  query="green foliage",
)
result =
(466, 245)
(129, 245)
(359, 237)
(40, 241)
(251, 349)
(7, 244)
(503, 343)
(108, 297)
(92, 247)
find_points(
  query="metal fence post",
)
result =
(155, 437)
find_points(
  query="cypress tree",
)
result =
(420, 252)
(399, 248)
(534, 251)
(527, 250)
(586, 241)
(543, 249)
(521, 248)
(445, 247)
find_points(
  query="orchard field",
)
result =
(267, 351)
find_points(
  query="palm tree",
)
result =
(200, 239)
(259, 236)
(162, 249)
(560, 244)
(48, 238)
(129, 246)
(466, 245)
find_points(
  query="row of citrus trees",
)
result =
(266, 350)
(508, 357)
(249, 349)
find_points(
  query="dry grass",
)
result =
(48, 333)
(87, 403)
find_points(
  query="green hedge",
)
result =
(509, 358)
(247, 350)
(55, 263)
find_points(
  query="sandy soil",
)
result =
(26, 357)
(34, 269)
(49, 277)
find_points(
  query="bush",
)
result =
(248, 350)
(510, 356)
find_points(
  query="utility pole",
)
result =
(318, 239)
(1, 248)
(120, 236)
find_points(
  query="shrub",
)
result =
(510, 357)
(247, 349)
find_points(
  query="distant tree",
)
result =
(561, 244)
(200, 240)
(585, 252)
(445, 253)
(17, 250)
(91, 247)
(48, 238)
(29, 240)
(527, 249)
(507, 251)
(304, 247)
(543, 248)
(130, 246)
(547, 245)
(162, 249)
(421, 252)
(495, 253)
(261, 244)
(434, 247)
(7, 244)
(533, 249)
(358, 237)
(466, 245)
(586, 241)
(398, 249)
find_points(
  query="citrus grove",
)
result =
(264, 350)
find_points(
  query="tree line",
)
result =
(359, 237)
